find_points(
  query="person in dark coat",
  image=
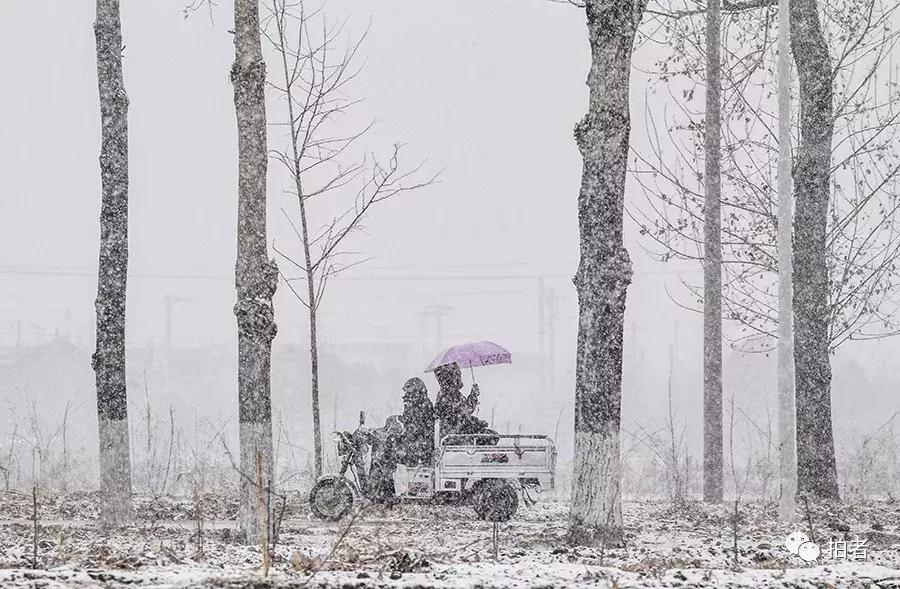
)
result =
(417, 444)
(455, 411)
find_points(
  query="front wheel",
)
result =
(331, 498)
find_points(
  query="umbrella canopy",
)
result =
(472, 355)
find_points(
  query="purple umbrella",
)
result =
(471, 355)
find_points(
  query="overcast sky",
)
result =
(487, 91)
(472, 87)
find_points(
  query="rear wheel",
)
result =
(495, 500)
(331, 498)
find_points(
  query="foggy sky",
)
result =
(471, 88)
(488, 92)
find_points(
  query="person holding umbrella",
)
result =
(457, 413)
(453, 410)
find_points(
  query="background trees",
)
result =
(255, 275)
(861, 243)
(108, 360)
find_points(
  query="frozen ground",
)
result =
(686, 545)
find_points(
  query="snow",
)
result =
(476, 575)
(667, 545)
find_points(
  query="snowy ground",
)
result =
(687, 545)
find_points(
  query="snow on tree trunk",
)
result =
(712, 264)
(108, 360)
(603, 276)
(787, 448)
(816, 469)
(255, 275)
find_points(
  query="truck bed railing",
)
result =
(445, 439)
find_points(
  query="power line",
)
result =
(34, 271)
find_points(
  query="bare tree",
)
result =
(256, 277)
(313, 80)
(108, 360)
(863, 244)
(604, 273)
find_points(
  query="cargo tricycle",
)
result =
(491, 471)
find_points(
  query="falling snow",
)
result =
(703, 396)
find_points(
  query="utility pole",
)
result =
(169, 305)
(551, 337)
(542, 364)
(68, 320)
(423, 335)
(170, 308)
(440, 311)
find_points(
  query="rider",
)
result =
(455, 411)
(417, 443)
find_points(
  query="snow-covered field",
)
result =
(667, 545)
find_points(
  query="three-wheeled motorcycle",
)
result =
(491, 470)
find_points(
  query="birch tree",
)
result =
(313, 80)
(256, 277)
(787, 432)
(108, 360)
(604, 273)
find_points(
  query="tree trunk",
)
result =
(603, 276)
(255, 275)
(313, 342)
(816, 469)
(314, 375)
(712, 263)
(108, 360)
(786, 427)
